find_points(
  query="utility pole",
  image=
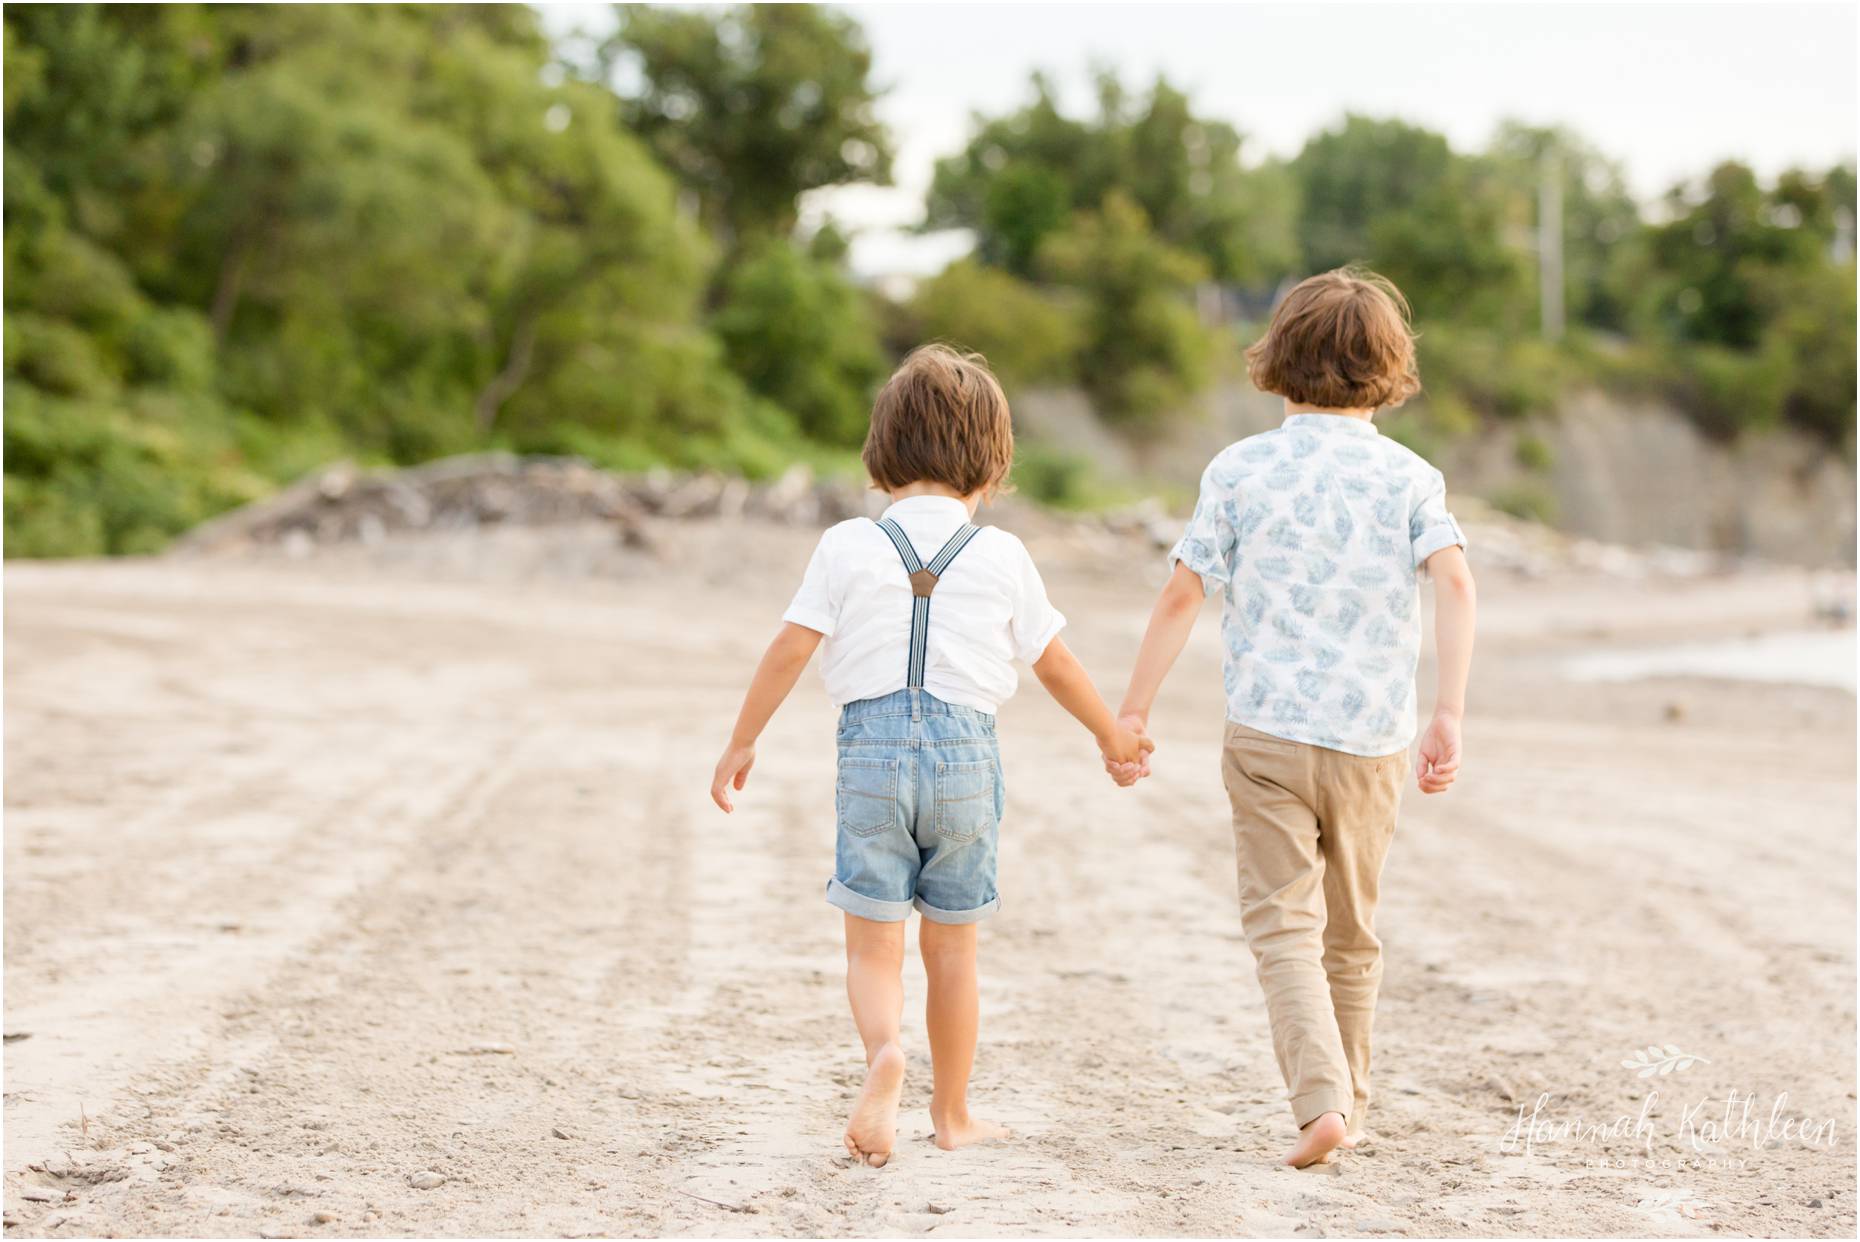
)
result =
(1550, 245)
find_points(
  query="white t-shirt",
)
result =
(988, 609)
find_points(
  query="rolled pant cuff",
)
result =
(873, 908)
(956, 918)
(1308, 1107)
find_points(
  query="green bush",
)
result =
(799, 333)
(1028, 335)
(1533, 453)
(1525, 500)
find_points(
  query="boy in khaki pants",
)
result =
(1317, 534)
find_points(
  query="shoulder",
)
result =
(850, 536)
(1241, 457)
(1411, 463)
(1001, 549)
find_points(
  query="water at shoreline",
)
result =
(1807, 657)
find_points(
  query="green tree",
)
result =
(1397, 198)
(801, 335)
(1599, 214)
(1022, 176)
(1143, 352)
(751, 106)
(1029, 335)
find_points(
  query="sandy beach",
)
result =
(343, 901)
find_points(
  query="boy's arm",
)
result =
(1170, 623)
(1455, 607)
(775, 676)
(1066, 680)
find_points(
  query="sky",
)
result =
(1667, 89)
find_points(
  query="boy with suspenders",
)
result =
(920, 792)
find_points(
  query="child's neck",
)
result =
(924, 488)
(1298, 407)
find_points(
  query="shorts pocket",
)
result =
(867, 800)
(966, 803)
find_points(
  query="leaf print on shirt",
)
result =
(1285, 655)
(1355, 484)
(1381, 633)
(1285, 476)
(1389, 515)
(1287, 711)
(1326, 658)
(1398, 691)
(1369, 575)
(1375, 665)
(1305, 506)
(1255, 604)
(1382, 545)
(1319, 570)
(1286, 627)
(1258, 448)
(1259, 691)
(1311, 684)
(1401, 603)
(1304, 446)
(1249, 521)
(1276, 568)
(1352, 704)
(1283, 536)
(1351, 453)
(1382, 722)
(1348, 614)
(1343, 524)
(1304, 600)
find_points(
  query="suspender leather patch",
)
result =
(923, 582)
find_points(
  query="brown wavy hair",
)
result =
(1340, 341)
(940, 418)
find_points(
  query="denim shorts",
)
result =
(919, 800)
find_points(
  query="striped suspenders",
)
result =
(923, 581)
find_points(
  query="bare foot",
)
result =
(1316, 1141)
(872, 1130)
(954, 1132)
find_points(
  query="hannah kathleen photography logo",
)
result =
(1711, 1124)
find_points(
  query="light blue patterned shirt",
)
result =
(1317, 532)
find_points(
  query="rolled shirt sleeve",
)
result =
(1207, 546)
(1035, 622)
(815, 605)
(1431, 527)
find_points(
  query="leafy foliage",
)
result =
(752, 106)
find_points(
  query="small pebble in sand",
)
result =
(489, 1050)
(322, 1218)
(427, 1180)
(560, 1133)
(35, 1195)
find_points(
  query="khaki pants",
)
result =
(1311, 829)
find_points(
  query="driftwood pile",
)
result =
(342, 504)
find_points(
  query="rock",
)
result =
(13, 1037)
(936, 1209)
(1380, 1224)
(322, 1218)
(426, 1179)
(1503, 1088)
(489, 1050)
(1674, 711)
(559, 1132)
(38, 1194)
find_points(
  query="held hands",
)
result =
(732, 773)
(1127, 751)
(1437, 762)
